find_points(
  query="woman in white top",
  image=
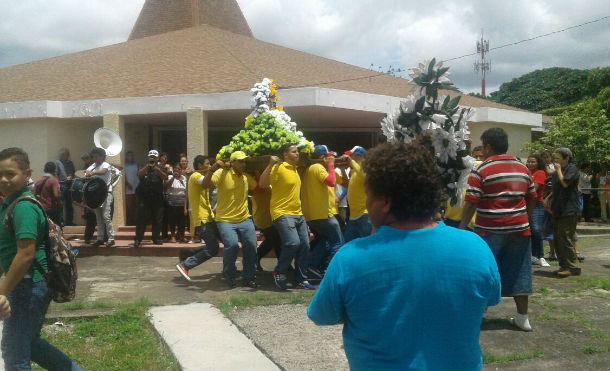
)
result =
(175, 187)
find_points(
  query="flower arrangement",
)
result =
(267, 128)
(438, 121)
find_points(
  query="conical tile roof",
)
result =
(161, 16)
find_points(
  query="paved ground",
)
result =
(196, 331)
(570, 321)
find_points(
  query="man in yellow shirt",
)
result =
(233, 217)
(261, 215)
(359, 224)
(287, 215)
(318, 198)
(202, 217)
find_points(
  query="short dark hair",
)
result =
(497, 139)
(199, 159)
(18, 155)
(50, 167)
(128, 152)
(98, 151)
(477, 149)
(286, 147)
(407, 174)
(539, 160)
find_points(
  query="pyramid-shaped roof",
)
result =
(161, 16)
(217, 56)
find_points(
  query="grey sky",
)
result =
(360, 32)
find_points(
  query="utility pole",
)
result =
(483, 65)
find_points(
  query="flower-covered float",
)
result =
(266, 129)
(437, 121)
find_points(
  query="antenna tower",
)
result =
(482, 65)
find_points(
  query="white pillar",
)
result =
(116, 123)
(196, 133)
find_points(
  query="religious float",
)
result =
(438, 122)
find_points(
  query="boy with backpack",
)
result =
(24, 292)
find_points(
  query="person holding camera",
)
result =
(149, 198)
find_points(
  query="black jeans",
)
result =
(176, 220)
(90, 224)
(271, 241)
(149, 209)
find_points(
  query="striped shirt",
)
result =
(499, 187)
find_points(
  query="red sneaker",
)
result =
(184, 272)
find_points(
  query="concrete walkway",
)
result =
(202, 338)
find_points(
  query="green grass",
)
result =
(597, 282)
(236, 302)
(595, 348)
(79, 305)
(123, 340)
(508, 357)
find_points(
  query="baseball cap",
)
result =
(357, 150)
(320, 150)
(238, 155)
(153, 152)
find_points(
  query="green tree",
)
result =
(584, 127)
(546, 88)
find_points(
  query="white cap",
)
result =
(153, 152)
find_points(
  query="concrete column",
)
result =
(115, 122)
(196, 132)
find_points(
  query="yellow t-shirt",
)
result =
(232, 204)
(315, 193)
(201, 210)
(260, 209)
(285, 190)
(356, 197)
(332, 205)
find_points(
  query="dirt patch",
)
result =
(293, 342)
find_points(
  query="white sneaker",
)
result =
(543, 263)
(535, 261)
(521, 321)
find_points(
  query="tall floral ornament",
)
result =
(267, 128)
(438, 121)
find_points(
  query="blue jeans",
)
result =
(328, 240)
(21, 342)
(230, 234)
(209, 234)
(514, 258)
(536, 227)
(295, 244)
(359, 227)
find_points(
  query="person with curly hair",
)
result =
(420, 305)
(502, 193)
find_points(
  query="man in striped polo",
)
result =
(502, 193)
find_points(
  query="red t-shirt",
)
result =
(499, 186)
(539, 178)
(47, 197)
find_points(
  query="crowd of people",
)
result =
(426, 273)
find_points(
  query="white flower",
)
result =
(439, 119)
(428, 125)
(408, 105)
(387, 128)
(445, 144)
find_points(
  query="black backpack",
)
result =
(61, 261)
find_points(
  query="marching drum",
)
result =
(95, 192)
(76, 190)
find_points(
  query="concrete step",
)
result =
(590, 228)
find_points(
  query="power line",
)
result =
(531, 38)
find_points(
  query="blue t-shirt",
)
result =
(410, 299)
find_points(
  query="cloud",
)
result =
(399, 33)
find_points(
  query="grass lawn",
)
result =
(122, 340)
